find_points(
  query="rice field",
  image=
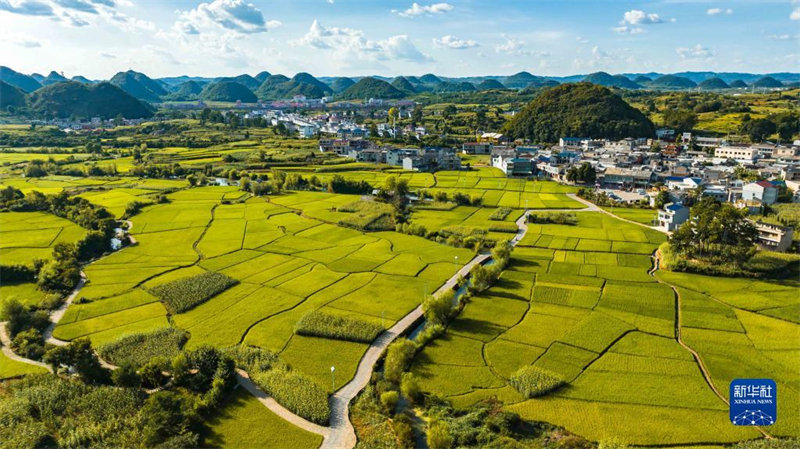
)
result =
(576, 302)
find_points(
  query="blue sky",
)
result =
(97, 38)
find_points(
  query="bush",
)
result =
(437, 308)
(398, 356)
(532, 381)
(320, 324)
(126, 376)
(510, 228)
(296, 392)
(185, 294)
(410, 388)
(16, 273)
(439, 436)
(389, 400)
(29, 344)
(500, 214)
(562, 218)
(137, 349)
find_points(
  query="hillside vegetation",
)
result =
(578, 110)
(84, 101)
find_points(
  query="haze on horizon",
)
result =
(97, 38)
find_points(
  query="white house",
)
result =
(672, 216)
(762, 191)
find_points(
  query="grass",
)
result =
(533, 382)
(25, 236)
(243, 422)
(320, 324)
(186, 293)
(296, 392)
(138, 349)
(12, 368)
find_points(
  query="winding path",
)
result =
(340, 434)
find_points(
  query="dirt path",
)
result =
(591, 207)
(679, 338)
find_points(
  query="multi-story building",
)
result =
(764, 192)
(739, 154)
(672, 216)
(773, 237)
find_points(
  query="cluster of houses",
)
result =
(415, 159)
(92, 124)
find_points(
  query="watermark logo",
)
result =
(753, 402)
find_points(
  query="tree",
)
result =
(437, 308)
(681, 120)
(416, 115)
(126, 376)
(439, 436)
(398, 356)
(165, 415)
(410, 387)
(79, 356)
(715, 232)
(758, 129)
(662, 198)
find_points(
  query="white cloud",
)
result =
(77, 5)
(795, 15)
(349, 43)
(696, 52)
(511, 46)
(717, 11)
(454, 43)
(639, 17)
(20, 40)
(108, 55)
(625, 29)
(27, 7)
(233, 15)
(419, 10)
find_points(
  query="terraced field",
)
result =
(577, 301)
(287, 264)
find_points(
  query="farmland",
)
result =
(575, 332)
(577, 304)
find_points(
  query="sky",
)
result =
(97, 38)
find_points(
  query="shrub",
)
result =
(532, 381)
(138, 349)
(296, 392)
(439, 436)
(29, 344)
(126, 376)
(184, 294)
(320, 324)
(410, 387)
(17, 273)
(389, 400)
(500, 214)
(437, 308)
(398, 356)
(510, 228)
(562, 218)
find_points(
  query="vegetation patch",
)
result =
(534, 382)
(296, 392)
(185, 294)
(320, 324)
(137, 349)
(500, 214)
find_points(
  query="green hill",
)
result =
(245, 80)
(767, 81)
(341, 84)
(82, 79)
(429, 78)
(519, 80)
(54, 77)
(641, 79)
(11, 96)
(446, 86)
(19, 80)
(371, 88)
(713, 84)
(307, 78)
(580, 109)
(228, 91)
(190, 90)
(84, 101)
(402, 84)
(139, 85)
(490, 84)
(672, 82)
(605, 79)
(262, 76)
(738, 84)
(413, 79)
